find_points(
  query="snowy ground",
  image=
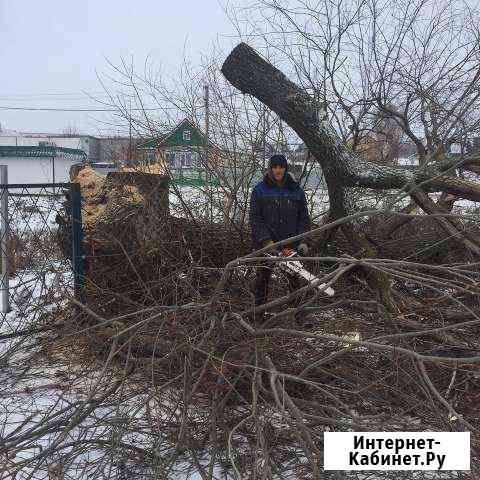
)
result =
(34, 256)
(318, 202)
(39, 284)
(50, 425)
(197, 200)
(42, 395)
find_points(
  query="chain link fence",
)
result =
(38, 274)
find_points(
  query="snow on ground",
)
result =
(317, 199)
(39, 284)
(37, 392)
(44, 387)
(35, 262)
(196, 199)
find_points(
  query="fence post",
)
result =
(4, 281)
(77, 239)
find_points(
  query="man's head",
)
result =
(278, 165)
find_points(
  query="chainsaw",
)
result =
(296, 268)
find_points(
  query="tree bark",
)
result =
(343, 170)
(251, 74)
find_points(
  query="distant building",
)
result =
(44, 140)
(97, 149)
(39, 164)
(182, 147)
(113, 149)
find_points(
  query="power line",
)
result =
(33, 109)
(47, 94)
(48, 109)
(76, 98)
(60, 97)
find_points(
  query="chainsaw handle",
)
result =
(287, 252)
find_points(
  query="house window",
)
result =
(170, 158)
(151, 157)
(188, 159)
(194, 159)
(178, 159)
(187, 135)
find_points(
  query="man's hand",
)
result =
(267, 243)
(272, 251)
(303, 249)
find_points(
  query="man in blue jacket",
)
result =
(278, 210)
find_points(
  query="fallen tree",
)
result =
(344, 171)
(168, 304)
(257, 398)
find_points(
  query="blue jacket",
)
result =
(277, 213)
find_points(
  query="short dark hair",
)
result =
(280, 160)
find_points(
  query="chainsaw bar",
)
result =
(297, 269)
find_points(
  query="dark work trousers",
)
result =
(263, 279)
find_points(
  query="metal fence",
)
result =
(41, 259)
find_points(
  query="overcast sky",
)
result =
(50, 51)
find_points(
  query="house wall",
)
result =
(182, 149)
(182, 157)
(37, 170)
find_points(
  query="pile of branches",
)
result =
(169, 300)
(254, 394)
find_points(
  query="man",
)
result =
(278, 210)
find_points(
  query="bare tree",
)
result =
(162, 370)
(415, 63)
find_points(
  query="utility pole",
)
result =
(54, 152)
(264, 136)
(207, 150)
(130, 135)
(4, 233)
(207, 122)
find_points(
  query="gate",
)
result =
(42, 260)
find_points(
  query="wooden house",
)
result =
(182, 147)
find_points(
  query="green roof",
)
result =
(175, 138)
(40, 151)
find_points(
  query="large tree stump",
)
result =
(132, 243)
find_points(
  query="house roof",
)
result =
(163, 139)
(42, 152)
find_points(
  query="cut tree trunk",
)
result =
(132, 242)
(344, 171)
